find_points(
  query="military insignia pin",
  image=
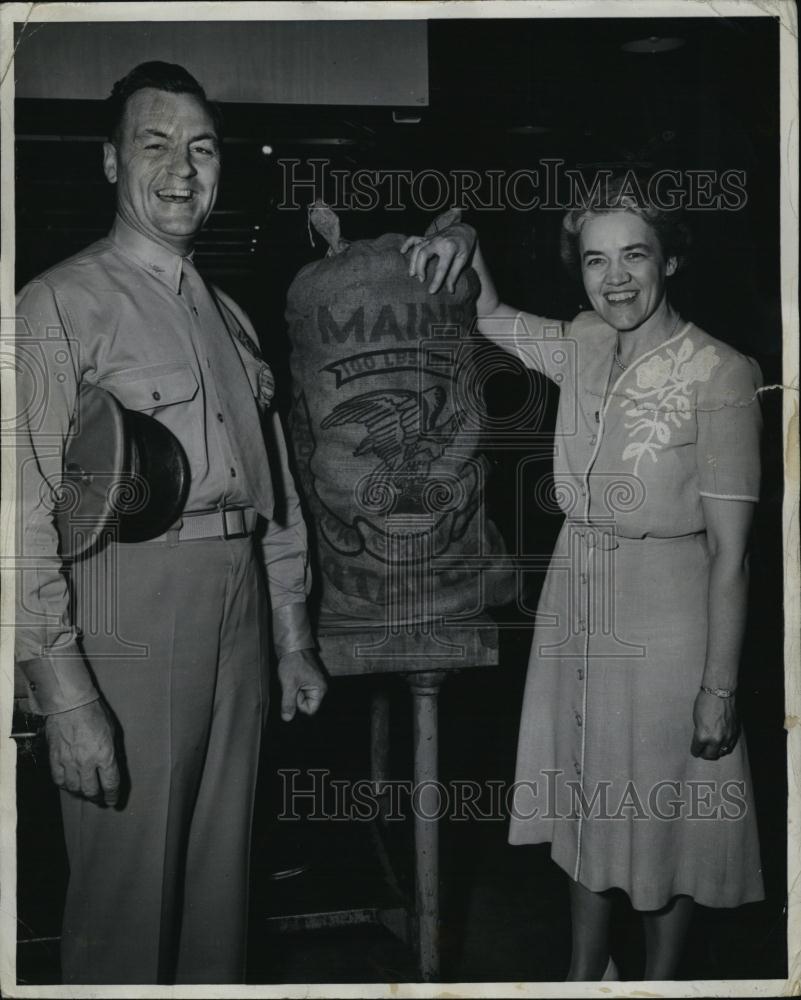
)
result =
(266, 385)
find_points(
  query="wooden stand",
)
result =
(425, 654)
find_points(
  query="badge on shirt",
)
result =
(266, 385)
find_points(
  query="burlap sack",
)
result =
(386, 426)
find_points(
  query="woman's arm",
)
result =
(728, 524)
(456, 248)
(496, 321)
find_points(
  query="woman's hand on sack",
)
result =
(717, 727)
(453, 247)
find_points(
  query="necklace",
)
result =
(617, 360)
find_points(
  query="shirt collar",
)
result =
(163, 264)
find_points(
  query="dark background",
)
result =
(712, 103)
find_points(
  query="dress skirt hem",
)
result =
(604, 769)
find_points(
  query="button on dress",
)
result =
(604, 770)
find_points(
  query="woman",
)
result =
(629, 758)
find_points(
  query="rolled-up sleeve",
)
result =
(729, 431)
(285, 552)
(54, 674)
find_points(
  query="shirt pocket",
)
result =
(149, 388)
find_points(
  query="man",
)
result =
(152, 677)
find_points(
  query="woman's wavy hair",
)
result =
(624, 193)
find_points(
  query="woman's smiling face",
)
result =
(623, 268)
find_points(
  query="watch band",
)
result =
(719, 692)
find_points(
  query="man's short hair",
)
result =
(160, 76)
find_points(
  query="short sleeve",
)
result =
(534, 340)
(729, 431)
(538, 343)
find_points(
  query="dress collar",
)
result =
(619, 376)
(163, 264)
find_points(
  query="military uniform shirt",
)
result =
(125, 315)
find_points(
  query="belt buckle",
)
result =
(240, 532)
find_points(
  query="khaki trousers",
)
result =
(177, 637)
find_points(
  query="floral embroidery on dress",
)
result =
(661, 399)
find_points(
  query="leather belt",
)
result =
(228, 522)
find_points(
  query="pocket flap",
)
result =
(152, 386)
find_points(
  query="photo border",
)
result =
(786, 12)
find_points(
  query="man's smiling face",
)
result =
(166, 166)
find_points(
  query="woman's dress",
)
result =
(604, 769)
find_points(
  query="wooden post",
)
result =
(379, 747)
(426, 802)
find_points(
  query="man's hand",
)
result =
(303, 683)
(453, 246)
(82, 758)
(716, 726)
